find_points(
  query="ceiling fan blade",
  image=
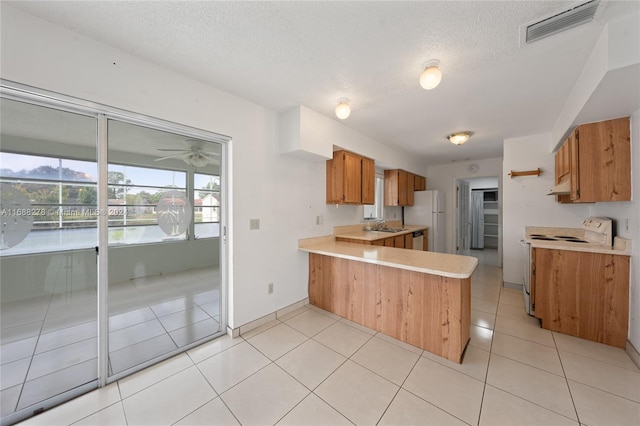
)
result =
(170, 156)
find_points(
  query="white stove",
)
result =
(595, 231)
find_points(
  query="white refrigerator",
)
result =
(428, 209)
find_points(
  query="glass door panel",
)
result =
(48, 273)
(164, 276)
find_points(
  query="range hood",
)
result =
(561, 189)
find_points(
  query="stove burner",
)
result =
(538, 235)
(570, 239)
(542, 237)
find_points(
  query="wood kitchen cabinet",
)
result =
(596, 160)
(399, 186)
(582, 294)
(350, 179)
(429, 311)
(419, 183)
(399, 241)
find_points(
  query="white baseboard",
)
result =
(512, 285)
(245, 328)
(633, 353)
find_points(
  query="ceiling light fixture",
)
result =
(459, 138)
(431, 76)
(196, 159)
(343, 109)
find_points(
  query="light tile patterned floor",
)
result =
(311, 367)
(48, 344)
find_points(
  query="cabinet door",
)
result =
(389, 242)
(604, 153)
(378, 242)
(398, 242)
(408, 241)
(391, 187)
(353, 178)
(583, 294)
(574, 168)
(344, 178)
(409, 189)
(368, 181)
(419, 183)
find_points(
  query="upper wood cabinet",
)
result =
(419, 183)
(596, 159)
(368, 181)
(350, 179)
(399, 186)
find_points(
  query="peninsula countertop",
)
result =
(442, 264)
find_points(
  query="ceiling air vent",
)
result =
(562, 21)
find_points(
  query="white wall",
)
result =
(483, 182)
(286, 193)
(524, 199)
(443, 177)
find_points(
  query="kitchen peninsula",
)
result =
(419, 297)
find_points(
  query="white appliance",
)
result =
(418, 240)
(428, 210)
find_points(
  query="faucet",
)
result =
(380, 224)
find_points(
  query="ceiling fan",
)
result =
(194, 155)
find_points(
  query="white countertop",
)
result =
(621, 246)
(442, 264)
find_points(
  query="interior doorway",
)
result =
(479, 224)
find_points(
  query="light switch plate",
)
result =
(254, 224)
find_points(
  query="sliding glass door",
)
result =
(164, 262)
(48, 282)
(111, 257)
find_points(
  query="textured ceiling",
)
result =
(281, 54)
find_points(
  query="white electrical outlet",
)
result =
(318, 220)
(254, 224)
(626, 225)
(270, 288)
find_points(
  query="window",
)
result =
(206, 203)
(376, 211)
(59, 195)
(134, 196)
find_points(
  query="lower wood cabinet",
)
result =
(428, 311)
(582, 294)
(404, 241)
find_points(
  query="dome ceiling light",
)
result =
(459, 138)
(343, 109)
(431, 76)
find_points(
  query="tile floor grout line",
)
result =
(400, 387)
(636, 370)
(433, 405)
(26, 374)
(486, 374)
(566, 379)
(154, 383)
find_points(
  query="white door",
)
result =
(464, 223)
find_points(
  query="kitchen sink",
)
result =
(391, 229)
